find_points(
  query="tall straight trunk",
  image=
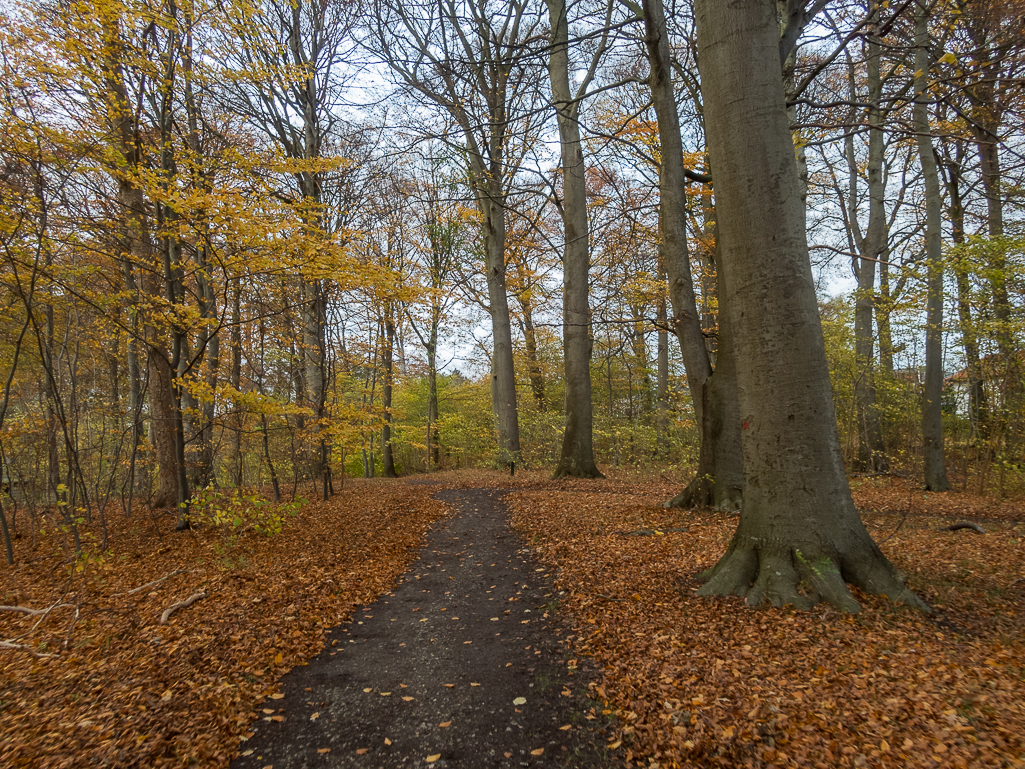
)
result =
(433, 436)
(662, 375)
(537, 380)
(871, 453)
(235, 380)
(798, 525)
(718, 482)
(983, 24)
(209, 338)
(577, 458)
(503, 373)
(387, 453)
(141, 253)
(932, 397)
(978, 402)
(883, 305)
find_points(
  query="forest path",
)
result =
(460, 666)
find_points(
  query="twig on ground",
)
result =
(965, 525)
(22, 647)
(609, 597)
(71, 627)
(174, 573)
(34, 612)
(180, 605)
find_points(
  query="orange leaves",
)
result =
(222, 655)
(713, 683)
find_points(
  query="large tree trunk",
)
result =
(717, 483)
(932, 397)
(799, 526)
(577, 458)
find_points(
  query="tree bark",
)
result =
(387, 454)
(871, 452)
(800, 538)
(932, 397)
(141, 253)
(978, 402)
(577, 458)
(718, 482)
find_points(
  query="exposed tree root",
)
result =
(704, 492)
(965, 525)
(568, 469)
(782, 576)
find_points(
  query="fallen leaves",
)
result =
(445, 724)
(520, 701)
(222, 654)
(709, 682)
(432, 759)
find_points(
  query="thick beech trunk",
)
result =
(800, 538)
(577, 458)
(932, 397)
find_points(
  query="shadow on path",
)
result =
(460, 666)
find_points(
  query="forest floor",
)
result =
(95, 678)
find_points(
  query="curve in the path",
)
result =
(460, 666)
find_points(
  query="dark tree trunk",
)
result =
(800, 537)
(716, 484)
(932, 397)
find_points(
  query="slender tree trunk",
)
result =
(798, 525)
(987, 116)
(871, 452)
(235, 380)
(387, 454)
(883, 305)
(718, 481)
(662, 375)
(537, 380)
(577, 458)
(503, 372)
(978, 403)
(932, 397)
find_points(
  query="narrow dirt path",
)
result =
(460, 666)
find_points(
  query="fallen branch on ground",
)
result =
(180, 605)
(34, 612)
(966, 525)
(22, 647)
(651, 532)
(174, 573)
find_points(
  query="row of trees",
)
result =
(241, 241)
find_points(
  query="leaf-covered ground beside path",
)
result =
(699, 682)
(128, 691)
(696, 682)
